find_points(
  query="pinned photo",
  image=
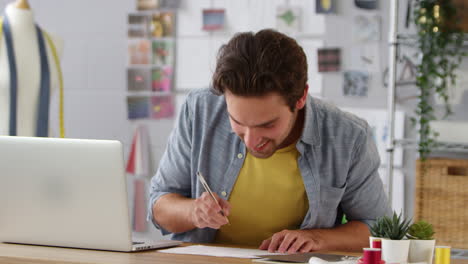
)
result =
(329, 59)
(162, 107)
(147, 4)
(138, 107)
(356, 83)
(139, 52)
(138, 80)
(325, 6)
(162, 25)
(163, 52)
(213, 19)
(161, 79)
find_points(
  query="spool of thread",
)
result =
(376, 243)
(372, 256)
(442, 255)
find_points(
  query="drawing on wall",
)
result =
(377, 120)
(366, 4)
(325, 6)
(137, 25)
(288, 19)
(162, 25)
(162, 107)
(147, 4)
(213, 19)
(161, 79)
(162, 52)
(329, 59)
(366, 57)
(356, 83)
(139, 51)
(138, 107)
(138, 80)
(174, 4)
(367, 28)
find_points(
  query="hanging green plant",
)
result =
(440, 43)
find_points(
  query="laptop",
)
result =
(66, 193)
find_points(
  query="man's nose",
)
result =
(251, 138)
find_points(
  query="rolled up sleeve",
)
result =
(173, 174)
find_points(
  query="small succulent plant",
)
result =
(394, 227)
(421, 230)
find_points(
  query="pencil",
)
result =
(208, 189)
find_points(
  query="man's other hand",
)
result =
(206, 213)
(292, 241)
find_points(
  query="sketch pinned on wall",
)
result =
(288, 19)
(366, 4)
(366, 57)
(329, 59)
(138, 107)
(367, 28)
(356, 83)
(137, 26)
(139, 51)
(162, 52)
(147, 4)
(161, 78)
(162, 107)
(162, 25)
(325, 6)
(138, 79)
(377, 120)
(213, 19)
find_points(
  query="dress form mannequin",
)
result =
(26, 49)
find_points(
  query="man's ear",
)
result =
(302, 101)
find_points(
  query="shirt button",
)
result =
(240, 155)
(223, 193)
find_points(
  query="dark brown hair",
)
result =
(258, 64)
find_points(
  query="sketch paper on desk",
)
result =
(218, 251)
(377, 119)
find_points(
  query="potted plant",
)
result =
(394, 247)
(439, 40)
(377, 233)
(422, 242)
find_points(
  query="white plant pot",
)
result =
(421, 251)
(395, 251)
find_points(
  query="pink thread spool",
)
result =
(372, 256)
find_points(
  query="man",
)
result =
(284, 166)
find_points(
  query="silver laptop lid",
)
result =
(64, 192)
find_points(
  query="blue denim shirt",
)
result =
(338, 162)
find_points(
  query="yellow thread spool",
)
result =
(442, 255)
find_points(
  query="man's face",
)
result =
(263, 123)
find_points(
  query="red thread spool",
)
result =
(376, 243)
(372, 256)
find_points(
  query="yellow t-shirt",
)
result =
(268, 196)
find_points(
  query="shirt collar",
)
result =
(311, 130)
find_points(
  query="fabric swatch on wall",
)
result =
(356, 83)
(329, 59)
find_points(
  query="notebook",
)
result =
(66, 193)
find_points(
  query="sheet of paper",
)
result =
(218, 251)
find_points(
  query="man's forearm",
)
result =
(172, 212)
(352, 236)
